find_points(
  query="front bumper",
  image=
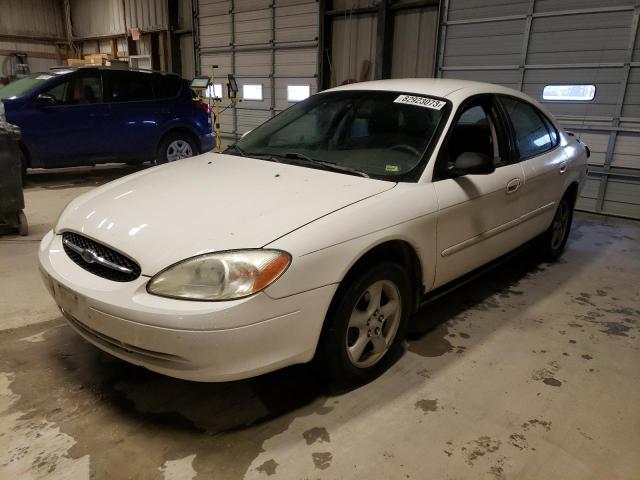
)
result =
(202, 341)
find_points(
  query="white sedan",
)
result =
(318, 234)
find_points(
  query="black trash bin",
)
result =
(12, 218)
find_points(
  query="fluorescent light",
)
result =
(569, 93)
(252, 92)
(297, 93)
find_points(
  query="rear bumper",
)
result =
(207, 142)
(201, 341)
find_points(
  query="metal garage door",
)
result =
(270, 43)
(528, 44)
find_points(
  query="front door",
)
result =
(66, 123)
(478, 214)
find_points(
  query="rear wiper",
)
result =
(325, 165)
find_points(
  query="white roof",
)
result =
(438, 87)
(452, 89)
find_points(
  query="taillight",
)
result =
(201, 105)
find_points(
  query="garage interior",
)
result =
(528, 371)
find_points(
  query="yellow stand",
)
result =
(216, 116)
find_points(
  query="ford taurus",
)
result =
(318, 234)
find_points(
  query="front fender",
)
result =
(326, 249)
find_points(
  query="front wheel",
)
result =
(366, 326)
(555, 238)
(176, 147)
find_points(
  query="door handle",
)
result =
(563, 167)
(513, 185)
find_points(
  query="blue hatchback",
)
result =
(92, 115)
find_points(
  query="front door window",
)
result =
(80, 90)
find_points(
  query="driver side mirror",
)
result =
(472, 163)
(45, 100)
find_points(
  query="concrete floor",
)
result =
(532, 371)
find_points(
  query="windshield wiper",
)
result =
(324, 165)
(261, 156)
(237, 149)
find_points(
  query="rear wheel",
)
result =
(366, 326)
(176, 146)
(555, 238)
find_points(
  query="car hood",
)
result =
(208, 203)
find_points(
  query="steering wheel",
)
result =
(407, 148)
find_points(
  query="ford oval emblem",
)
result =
(88, 255)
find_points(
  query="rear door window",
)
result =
(129, 87)
(532, 135)
(166, 86)
(552, 130)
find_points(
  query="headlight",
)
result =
(220, 276)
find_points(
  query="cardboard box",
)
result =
(97, 58)
(75, 62)
(118, 64)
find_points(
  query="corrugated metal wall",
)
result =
(95, 18)
(527, 44)
(30, 18)
(268, 42)
(353, 43)
(148, 15)
(354, 34)
(415, 34)
(33, 18)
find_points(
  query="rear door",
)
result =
(544, 163)
(478, 214)
(68, 130)
(135, 114)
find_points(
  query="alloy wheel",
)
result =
(373, 323)
(178, 149)
(560, 225)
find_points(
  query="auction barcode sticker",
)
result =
(420, 102)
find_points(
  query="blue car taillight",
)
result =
(201, 105)
(204, 106)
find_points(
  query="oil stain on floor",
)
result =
(500, 379)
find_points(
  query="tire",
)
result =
(554, 240)
(176, 146)
(347, 354)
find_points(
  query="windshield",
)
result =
(22, 86)
(381, 134)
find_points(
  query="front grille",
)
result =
(100, 260)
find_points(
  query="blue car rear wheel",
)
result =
(176, 146)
